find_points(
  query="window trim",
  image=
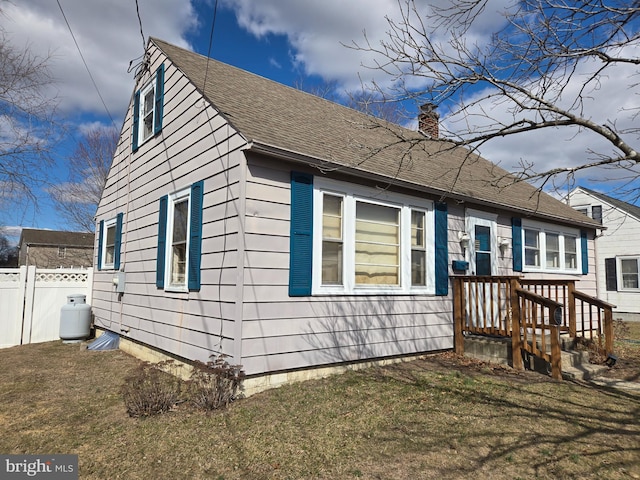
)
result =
(621, 287)
(351, 194)
(543, 229)
(193, 246)
(110, 223)
(155, 84)
(172, 199)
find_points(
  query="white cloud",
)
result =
(108, 34)
(318, 31)
(613, 100)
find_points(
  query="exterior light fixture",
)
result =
(464, 239)
(503, 244)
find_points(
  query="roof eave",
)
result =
(327, 165)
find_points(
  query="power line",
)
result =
(213, 25)
(144, 44)
(86, 66)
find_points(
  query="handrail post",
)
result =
(516, 323)
(556, 353)
(608, 330)
(571, 300)
(458, 309)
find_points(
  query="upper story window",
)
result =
(596, 213)
(593, 211)
(369, 242)
(148, 109)
(62, 252)
(549, 248)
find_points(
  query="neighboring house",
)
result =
(617, 248)
(55, 249)
(245, 217)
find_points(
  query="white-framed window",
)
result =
(147, 112)
(148, 109)
(108, 244)
(177, 241)
(550, 248)
(368, 241)
(62, 252)
(629, 273)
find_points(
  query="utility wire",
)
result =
(144, 44)
(213, 26)
(86, 66)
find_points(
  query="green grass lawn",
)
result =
(441, 418)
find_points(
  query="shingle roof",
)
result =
(32, 236)
(619, 204)
(277, 117)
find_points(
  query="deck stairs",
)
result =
(575, 362)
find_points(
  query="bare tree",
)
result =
(77, 199)
(538, 69)
(8, 252)
(26, 127)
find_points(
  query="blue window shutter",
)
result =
(159, 106)
(516, 242)
(162, 242)
(100, 242)
(136, 121)
(118, 242)
(442, 249)
(585, 252)
(301, 235)
(195, 235)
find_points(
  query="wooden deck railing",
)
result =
(539, 326)
(532, 312)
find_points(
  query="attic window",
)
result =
(148, 108)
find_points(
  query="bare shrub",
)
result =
(214, 384)
(149, 390)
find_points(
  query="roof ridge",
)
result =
(329, 136)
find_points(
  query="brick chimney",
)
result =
(428, 120)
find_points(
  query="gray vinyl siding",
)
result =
(196, 143)
(243, 308)
(281, 332)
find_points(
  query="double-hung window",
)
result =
(148, 106)
(176, 266)
(365, 241)
(109, 240)
(180, 240)
(629, 273)
(549, 248)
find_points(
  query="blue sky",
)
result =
(288, 41)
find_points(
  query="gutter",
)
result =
(327, 165)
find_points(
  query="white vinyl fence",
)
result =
(31, 300)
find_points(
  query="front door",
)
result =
(482, 249)
(481, 254)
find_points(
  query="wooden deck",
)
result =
(533, 313)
